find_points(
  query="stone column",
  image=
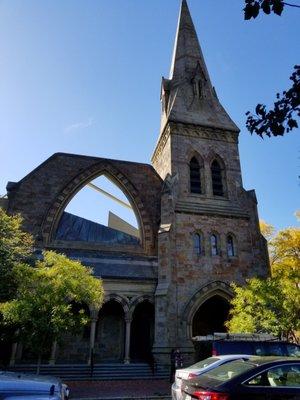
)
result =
(208, 182)
(128, 320)
(94, 319)
(53, 353)
(13, 354)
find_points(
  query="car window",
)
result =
(260, 349)
(233, 347)
(274, 349)
(283, 376)
(228, 371)
(204, 363)
(292, 350)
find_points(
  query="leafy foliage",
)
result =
(284, 251)
(266, 229)
(15, 247)
(44, 307)
(253, 7)
(272, 305)
(281, 118)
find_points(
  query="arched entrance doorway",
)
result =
(109, 344)
(142, 332)
(211, 316)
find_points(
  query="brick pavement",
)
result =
(139, 389)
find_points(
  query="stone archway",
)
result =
(110, 333)
(211, 316)
(142, 332)
(205, 313)
(217, 289)
(75, 347)
(55, 211)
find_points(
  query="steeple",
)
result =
(188, 95)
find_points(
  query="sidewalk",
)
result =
(139, 389)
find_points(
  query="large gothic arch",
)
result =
(57, 207)
(206, 292)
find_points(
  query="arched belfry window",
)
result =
(214, 245)
(230, 246)
(217, 179)
(197, 244)
(195, 176)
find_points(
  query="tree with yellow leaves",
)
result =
(272, 305)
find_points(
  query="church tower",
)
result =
(209, 233)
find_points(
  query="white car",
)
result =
(199, 368)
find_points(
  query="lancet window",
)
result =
(214, 245)
(195, 176)
(198, 244)
(217, 179)
(230, 246)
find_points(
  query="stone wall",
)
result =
(182, 272)
(42, 195)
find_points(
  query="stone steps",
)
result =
(82, 372)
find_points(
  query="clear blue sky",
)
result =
(84, 77)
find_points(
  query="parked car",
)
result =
(199, 368)
(215, 346)
(259, 378)
(15, 386)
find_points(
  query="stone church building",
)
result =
(198, 227)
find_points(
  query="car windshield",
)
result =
(204, 363)
(228, 371)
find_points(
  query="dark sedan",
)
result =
(259, 378)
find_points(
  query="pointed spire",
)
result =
(188, 95)
(187, 52)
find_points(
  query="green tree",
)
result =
(43, 309)
(272, 305)
(15, 247)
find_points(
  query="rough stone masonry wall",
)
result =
(205, 144)
(161, 158)
(181, 272)
(44, 193)
(193, 271)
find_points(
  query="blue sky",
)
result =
(84, 77)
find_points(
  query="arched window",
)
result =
(100, 213)
(214, 245)
(216, 177)
(195, 176)
(230, 246)
(197, 244)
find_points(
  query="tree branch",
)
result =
(282, 117)
(291, 5)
